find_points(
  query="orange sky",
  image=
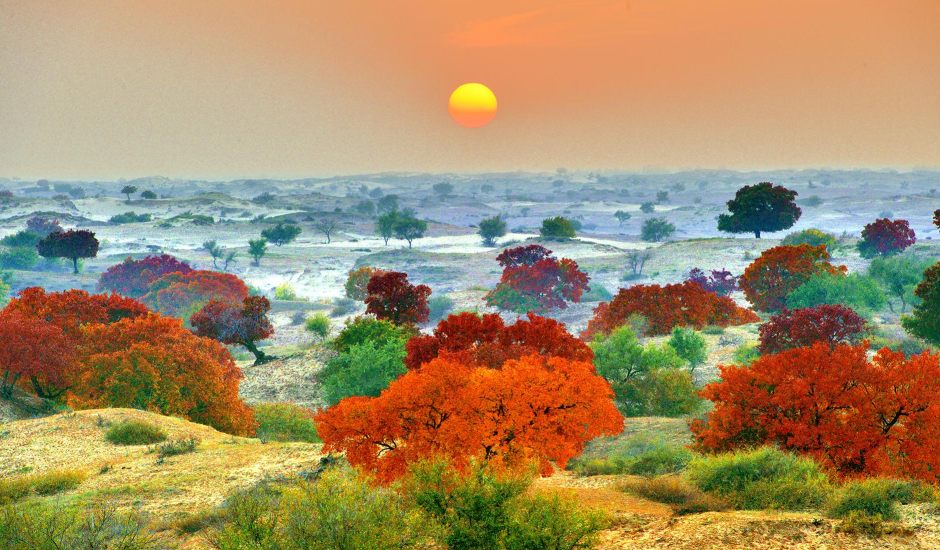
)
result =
(230, 88)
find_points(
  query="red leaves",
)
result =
(855, 415)
(533, 280)
(239, 324)
(781, 269)
(72, 309)
(36, 349)
(181, 294)
(532, 409)
(393, 298)
(667, 307)
(134, 277)
(155, 364)
(486, 341)
(830, 324)
(885, 237)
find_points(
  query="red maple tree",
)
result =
(242, 324)
(885, 237)
(392, 298)
(666, 307)
(531, 409)
(803, 327)
(182, 294)
(486, 341)
(71, 310)
(858, 416)
(134, 277)
(35, 349)
(780, 270)
(153, 363)
(534, 280)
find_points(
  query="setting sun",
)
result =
(472, 105)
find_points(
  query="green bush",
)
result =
(319, 325)
(872, 498)
(637, 455)
(175, 447)
(559, 228)
(675, 491)
(285, 291)
(21, 239)
(484, 510)
(597, 294)
(746, 354)
(760, 479)
(859, 292)
(129, 217)
(368, 329)
(37, 526)
(343, 306)
(656, 229)
(134, 432)
(285, 422)
(44, 484)
(689, 345)
(439, 306)
(339, 511)
(364, 369)
(813, 237)
(21, 258)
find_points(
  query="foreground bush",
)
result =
(41, 527)
(880, 416)
(873, 498)
(284, 422)
(761, 479)
(44, 484)
(487, 510)
(134, 432)
(337, 512)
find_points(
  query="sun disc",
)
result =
(472, 105)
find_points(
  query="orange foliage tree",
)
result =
(486, 341)
(36, 349)
(534, 409)
(666, 307)
(357, 282)
(72, 309)
(858, 416)
(780, 270)
(182, 294)
(155, 364)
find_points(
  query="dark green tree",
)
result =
(924, 321)
(758, 208)
(281, 234)
(73, 244)
(257, 248)
(557, 228)
(622, 216)
(657, 229)
(409, 228)
(492, 229)
(385, 225)
(129, 190)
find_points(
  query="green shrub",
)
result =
(746, 354)
(44, 484)
(364, 369)
(439, 306)
(872, 498)
(637, 455)
(175, 447)
(285, 292)
(597, 294)
(343, 306)
(675, 491)
(134, 432)
(764, 478)
(36, 526)
(859, 292)
(557, 228)
(21, 239)
(368, 329)
(129, 217)
(689, 345)
(284, 422)
(21, 258)
(813, 237)
(340, 511)
(713, 330)
(483, 510)
(319, 325)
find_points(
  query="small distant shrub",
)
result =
(284, 422)
(285, 292)
(713, 330)
(813, 200)
(675, 491)
(44, 484)
(134, 432)
(319, 325)
(559, 228)
(343, 306)
(760, 479)
(129, 217)
(597, 293)
(812, 237)
(439, 306)
(746, 354)
(175, 447)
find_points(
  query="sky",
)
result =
(220, 89)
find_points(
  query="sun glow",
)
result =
(472, 105)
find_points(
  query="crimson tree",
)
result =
(232, 323)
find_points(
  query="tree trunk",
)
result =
(757, 234)
(260, 357)
(8, 384)
(41, 392)
(75, 265)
